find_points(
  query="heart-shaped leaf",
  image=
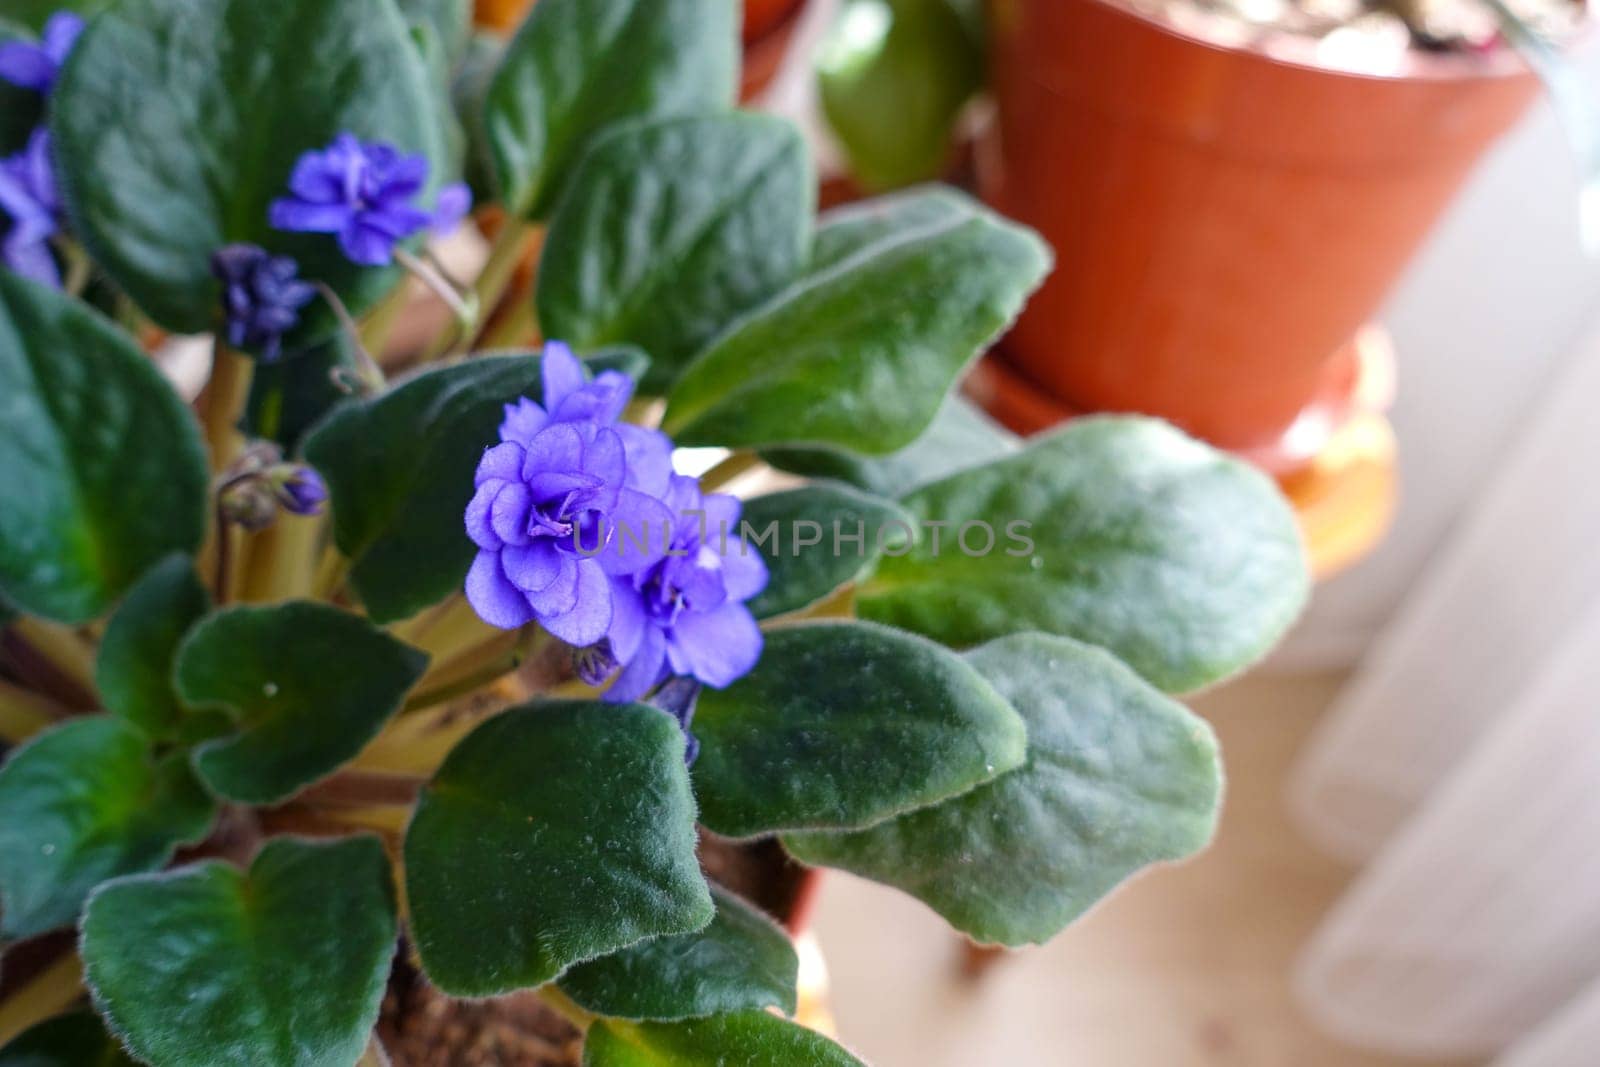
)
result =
(179, 123)
(577, 66)
(1118, 777)
(553, 834)
(75, 1040)
(741, 961)
(817, 538)
(717, 214)
(210, 966)
(1118, 531)
(959, 437)
(133, 670)
(860, 356)
(399, 471)
(746, 1037)
(295, 719)
(82, 803)
(843, 725)
(101, 467)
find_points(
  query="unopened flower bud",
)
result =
(299, 488)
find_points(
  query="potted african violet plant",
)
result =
(324, 677)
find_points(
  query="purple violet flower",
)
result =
(568, 500)
(36, 66)
(365, 193)
(261, 296)
(685, 615)
(28, 194)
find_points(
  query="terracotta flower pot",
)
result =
(1224, 221)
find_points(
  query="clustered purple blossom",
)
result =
(261, 296)
(582, 526)
(366, 194)
(29, 194)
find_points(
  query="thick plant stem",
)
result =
(564, 1006)
(65, 652)
(331, 573)
(471, 680)
(221, 403)
(282, 560)
(24, 713)
(50, 993)
(736, 465)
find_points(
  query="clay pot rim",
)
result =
(1292, 52)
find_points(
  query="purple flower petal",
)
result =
(561, 373)
(639, 528)
(643, 672)
(555, 448)
(510, 513)
(523, 421)
(717, 647)
(480, 528)
(590, 616)
(26, 66)
(534, 568)
(649, 455)
(493, 597)
(503, 461)
(744, 572)
(304, 217)
(452, 205)
(561, 595)
(628, 620)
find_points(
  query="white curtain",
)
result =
(1462, 766)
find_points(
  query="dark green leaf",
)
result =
(399, 471)
(741, 961)
(1118, 777)
(577, 66)
(133, 670)
(553, 834)
(76, 1040)
(842, 725)
(305, 685)
(210, 966)
(850, 531)
(959, 437)
(1118, 531)
(672, 229)
(82, 803)
(290, 396)
(232, 92)
(101, 467)
(892, 97)
(34, 13)
(845, 231)
(468, 92)
(861, 356)
(20, 109)
(747, 1037)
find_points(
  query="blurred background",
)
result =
(1348, 243)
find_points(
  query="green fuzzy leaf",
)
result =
(747, 1037)
(1118, 777)
(1184, 562)
(449, 21)
(133, 670)
(101, 467)
(82, 803)
(553, 834)
(232, 92)
(672, 229)
(468, 91)
(801, 574)
(842, 725)
(291, 395)
(576, 66)
(210, 966)
(959, 437)
(860, 356)
(846, 230)
(741, 961)
(399, 471)
(32, 14)
(20, 109)
(295, 716)
(892, 98)
(75, 1040)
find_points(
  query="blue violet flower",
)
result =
(567, 502)
(261, 296)
(29, 195)
(36, 66)
(366, 194)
